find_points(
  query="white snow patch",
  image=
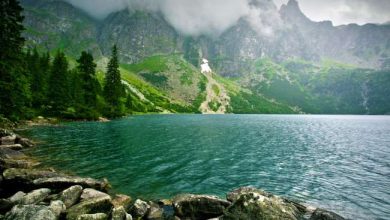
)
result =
(205, 68)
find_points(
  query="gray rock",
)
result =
(90, 193)
(261, 205)
(20, 163)
(199, 206)
(122, 200)
(128, 217)
(7, 153)
(29, 212)
(100, 204)
(8, 140)
(26, 143)
(58, 207)
(321, 214)
(118, 213)
(96, 216)
(71, 195)
(17, 197)
(63, 182)
(35, 196)
(5, 205)
(139, 209)
(12, 146)
(155, 212)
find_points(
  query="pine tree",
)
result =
(38, 72)
(90, 85)
(59, 92)
(113, 88)
(14, 85)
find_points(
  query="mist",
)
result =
(190, 17)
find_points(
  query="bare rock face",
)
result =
(199, 206)
(28, 212)
(71, 195)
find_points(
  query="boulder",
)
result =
(118, 213)
(96, 216)
(235, 194)
(139, 209)
(58, 207)
(27, 175)
(155, 212)
(8, 140)
(17, 197)
(89, 193)
(7, 153)
(28, 212)
(63, 182)
(122, 200)
(95, 205)
(260, 205)
(71, 195)
(5, 205)
(5, 132)
(12, 146)
(199, 206)
(35, 196)
(26, 143)
(321, 214)
(21, 163)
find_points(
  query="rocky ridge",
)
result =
(28, 191)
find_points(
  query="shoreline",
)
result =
(29, 189)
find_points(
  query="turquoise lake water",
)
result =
(341, 163)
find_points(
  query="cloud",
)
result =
(345, 11)
(191, 17)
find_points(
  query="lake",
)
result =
(341, 163)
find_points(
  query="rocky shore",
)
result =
(28, 191)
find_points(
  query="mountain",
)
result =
(277, 62)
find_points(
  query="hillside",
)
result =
(302, 67)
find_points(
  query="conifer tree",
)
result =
(59, 92)
(14, 85)
(113, 88)
(90, 85)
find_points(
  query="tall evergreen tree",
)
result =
(113, 88)
(59, 92)
(90, 85)
(14, 85)
(37, 67)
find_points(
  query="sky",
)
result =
(212, 17)
(345, 11)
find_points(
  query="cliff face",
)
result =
(56, 24)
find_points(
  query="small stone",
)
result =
(96, 216)
(29, 212)
(90, 193)
(35, 196)
(122, 200)
(71, 195)
(139, 209)
(58, 207)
